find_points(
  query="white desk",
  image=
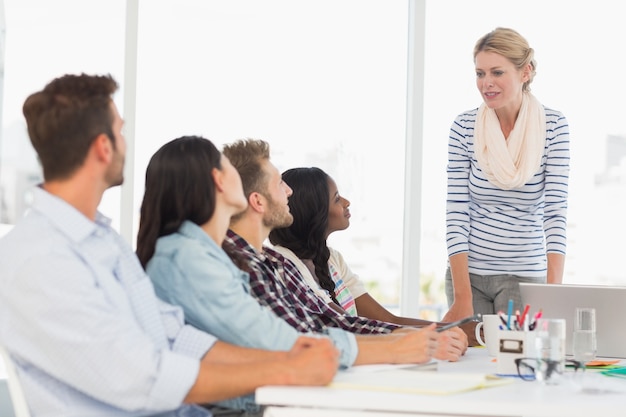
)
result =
(521, 398)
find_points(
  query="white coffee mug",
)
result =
(490, 326)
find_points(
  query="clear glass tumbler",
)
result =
(584, 342)
(550, 349)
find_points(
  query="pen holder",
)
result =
(514, 344)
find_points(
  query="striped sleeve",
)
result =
(556, 182)
(457, 204)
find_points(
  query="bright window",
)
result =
(43, 40)
(324, 81)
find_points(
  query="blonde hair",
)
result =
(511, 45)
(247, 156)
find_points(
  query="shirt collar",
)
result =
(193, 231)
(243, 244)
(66, 218)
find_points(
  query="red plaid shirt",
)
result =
(277, 283)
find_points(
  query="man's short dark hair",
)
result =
(65, 117)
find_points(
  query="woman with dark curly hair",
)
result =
(319, 210)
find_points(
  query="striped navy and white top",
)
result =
(507, 231)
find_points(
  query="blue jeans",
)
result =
(491, 293)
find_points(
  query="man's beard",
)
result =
(115, 173)
(277, 216)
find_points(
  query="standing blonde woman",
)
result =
(508, 171)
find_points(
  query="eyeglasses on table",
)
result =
(528, 367)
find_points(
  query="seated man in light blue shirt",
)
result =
(79, 316)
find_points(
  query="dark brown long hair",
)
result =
(179, 187)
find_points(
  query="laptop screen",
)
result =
(561, 300)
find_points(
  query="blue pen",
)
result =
(510, 313)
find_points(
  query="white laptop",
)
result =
(560, 301)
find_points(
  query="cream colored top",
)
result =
(337, 264)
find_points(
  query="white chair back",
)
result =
(20, 407)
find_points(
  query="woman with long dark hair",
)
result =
(182, 188)
(319, 210)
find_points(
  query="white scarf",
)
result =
(511, 163)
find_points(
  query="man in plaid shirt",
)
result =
(277, 283)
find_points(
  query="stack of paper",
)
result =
(410, 381)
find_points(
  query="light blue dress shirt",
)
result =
(189, 269)
(82, 323)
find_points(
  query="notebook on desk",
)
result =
(560, 301)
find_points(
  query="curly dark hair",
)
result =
(306, 236)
